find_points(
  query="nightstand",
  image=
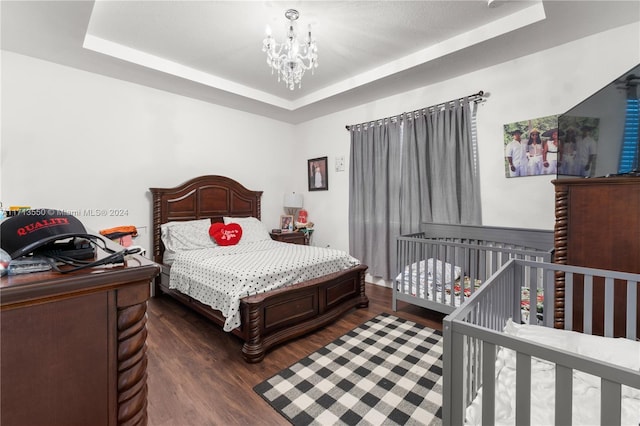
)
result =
(294, 237)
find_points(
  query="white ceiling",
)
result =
(212, 50)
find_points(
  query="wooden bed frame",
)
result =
(266, 319)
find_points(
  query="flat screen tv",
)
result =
(599, 136)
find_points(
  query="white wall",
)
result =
(542, 84)
(76, 141)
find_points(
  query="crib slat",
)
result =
(549, 299)
(523, 389)
(434, 253)
(608, 307)
(533, 294)
(518, 277)
(474, 359)
(610, 402)
(469, 374)
(457, 396)
(474, 273)
(632, 290)
(568, 301)
(564, 395)
(488, 383)
(587, 319)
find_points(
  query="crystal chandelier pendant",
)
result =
(291, 58)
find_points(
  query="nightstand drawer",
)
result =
(290, 237)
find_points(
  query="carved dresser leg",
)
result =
(132, 365)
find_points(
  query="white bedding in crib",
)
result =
(417, 279)
(586, 387)
(421, 275)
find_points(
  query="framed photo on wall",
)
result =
(318, 174)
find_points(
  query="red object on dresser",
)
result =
(302, 216)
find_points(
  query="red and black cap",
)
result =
(31, 229)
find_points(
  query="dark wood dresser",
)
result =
(73, 346)
(598, 226)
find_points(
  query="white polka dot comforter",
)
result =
(219, 277)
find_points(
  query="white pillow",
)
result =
(187, 235)
(430, 273)
(252, 229)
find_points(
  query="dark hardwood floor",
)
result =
(196, 374)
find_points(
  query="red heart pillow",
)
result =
(225, 235)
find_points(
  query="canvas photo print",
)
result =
(552, 145)
(531, 147)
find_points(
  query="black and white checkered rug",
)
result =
(386, 371)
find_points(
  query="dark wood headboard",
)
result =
(205, 197)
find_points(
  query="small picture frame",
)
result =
(286, 222)
(318, 174)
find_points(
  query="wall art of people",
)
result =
(550, 145)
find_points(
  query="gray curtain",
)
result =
(373, 195)
(412, 170)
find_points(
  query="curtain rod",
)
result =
(476, 97)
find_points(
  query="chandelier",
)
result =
(291, 58)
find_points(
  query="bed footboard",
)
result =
(281, 315)
(474, 339)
